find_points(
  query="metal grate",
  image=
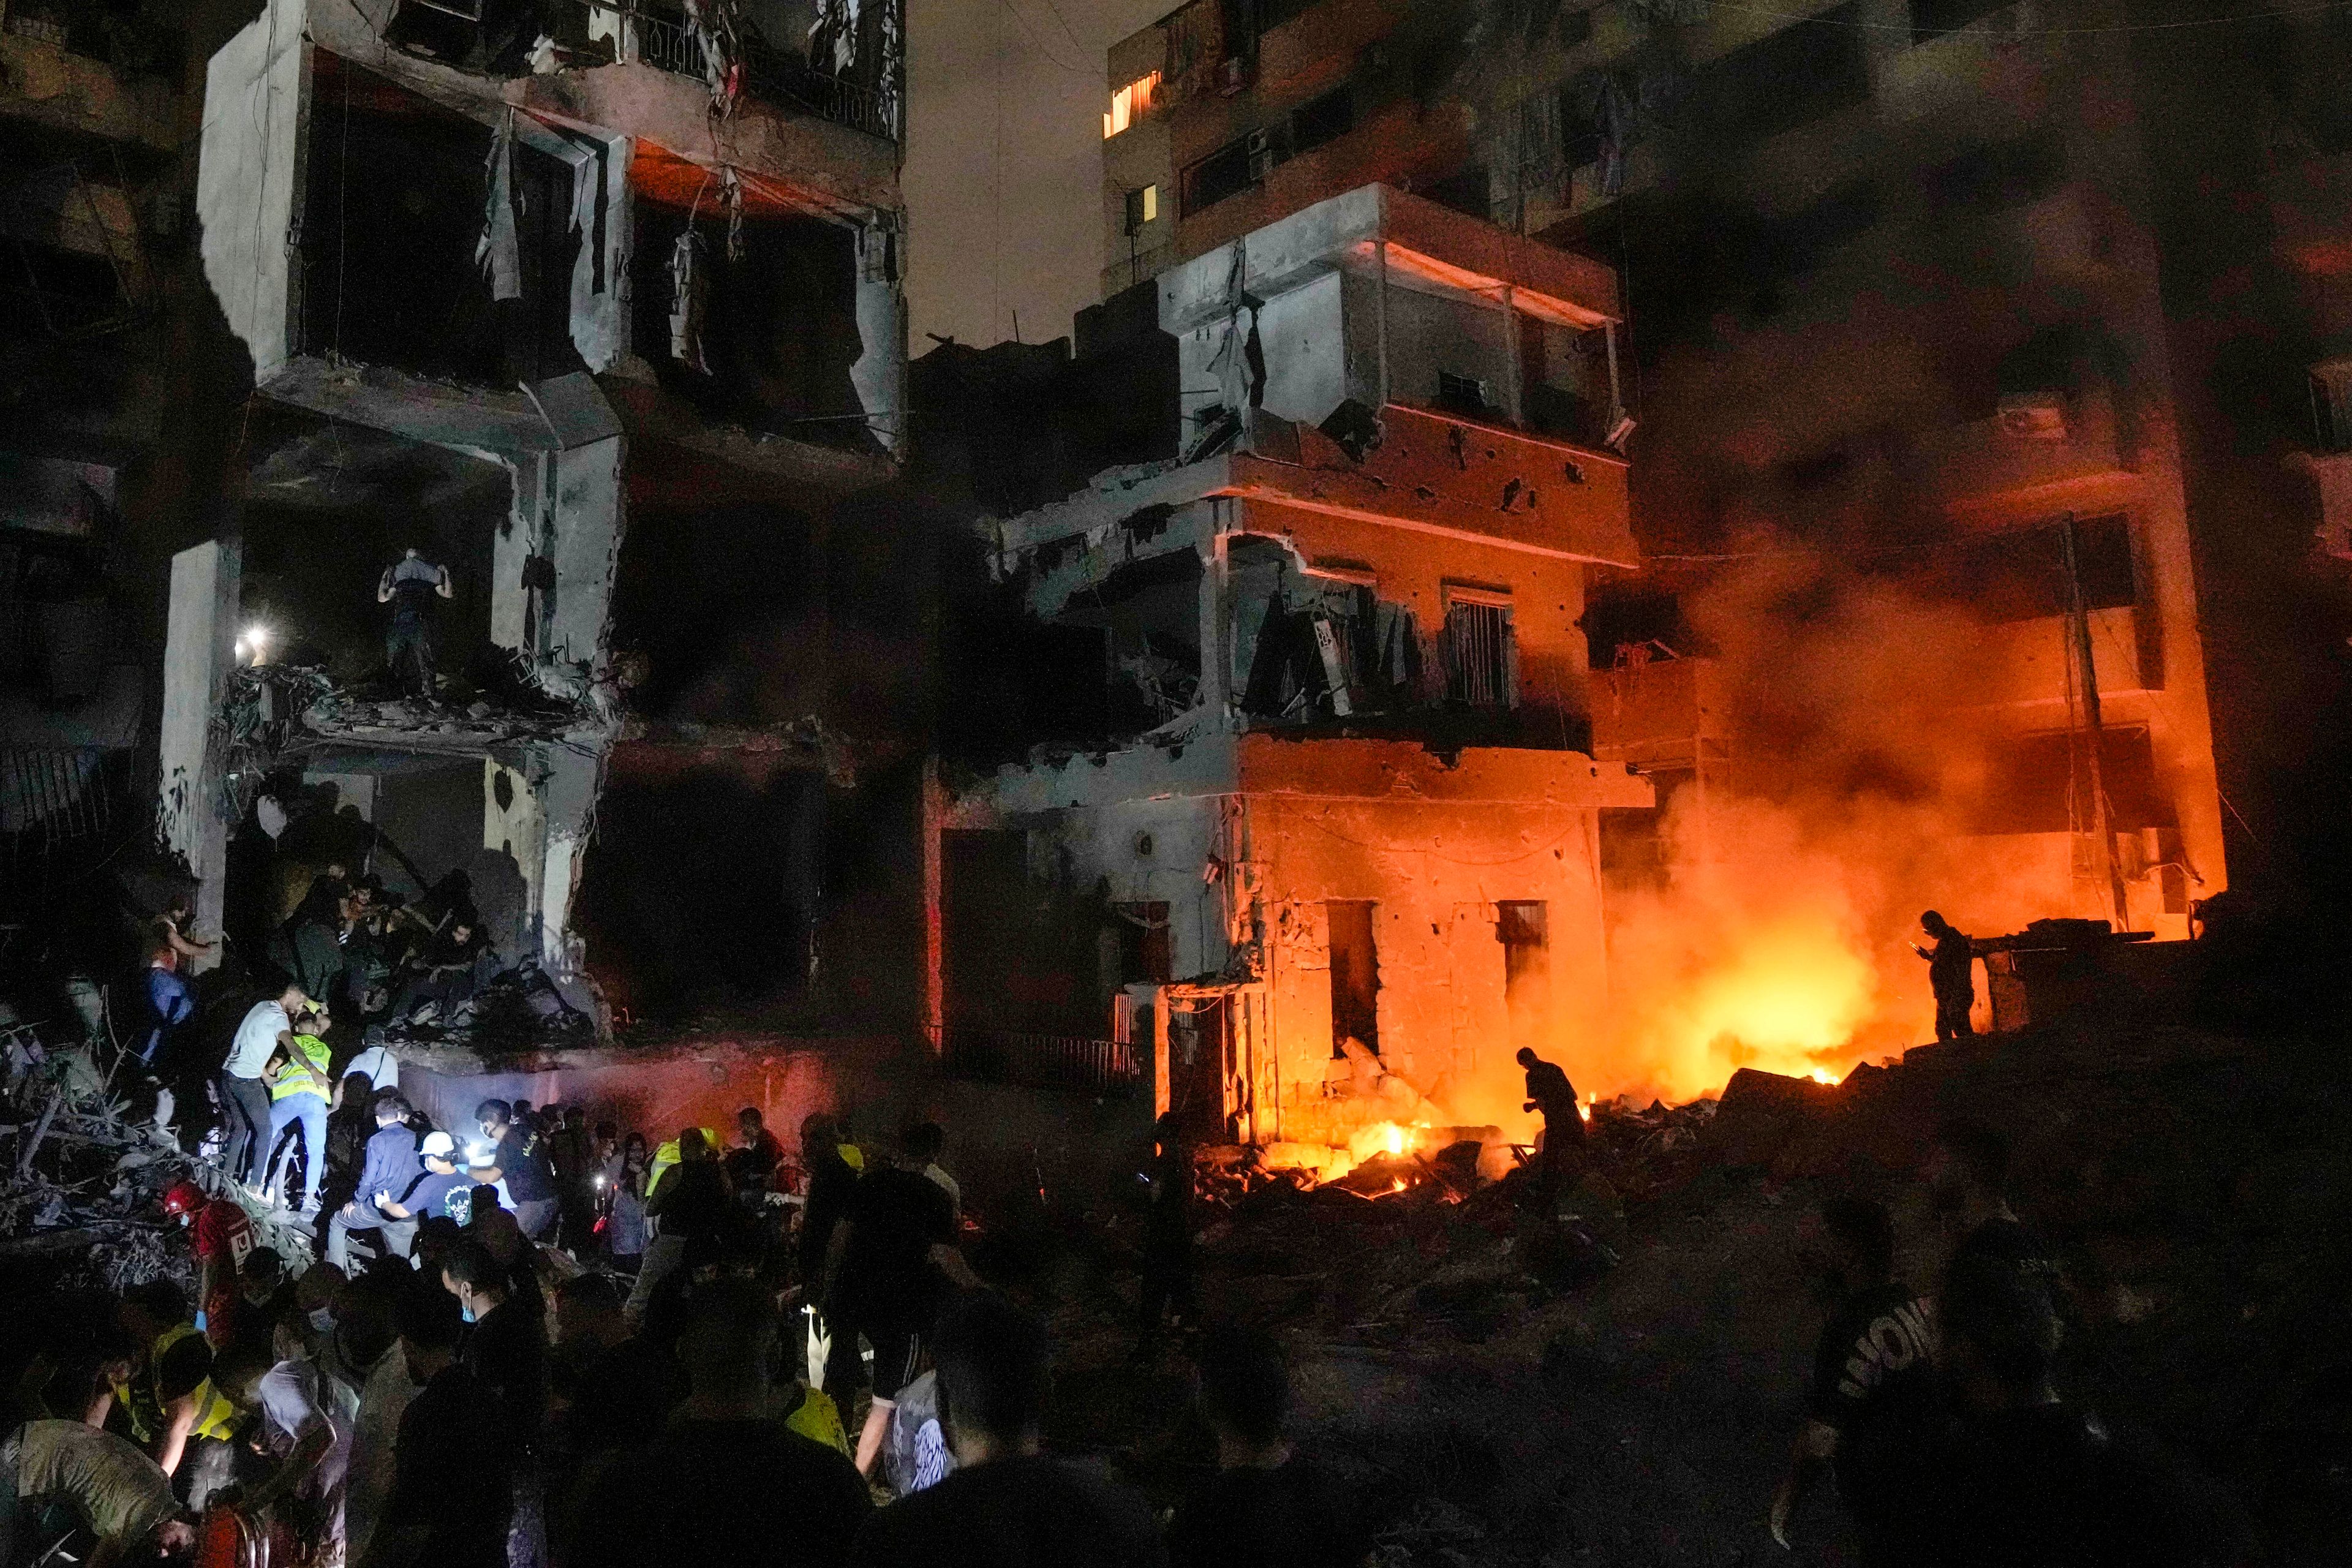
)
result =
(1041, 1061)
(665, 42)
(1478, 654)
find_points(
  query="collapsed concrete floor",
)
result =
(2192, 1183)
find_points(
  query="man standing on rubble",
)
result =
(1951, 975)
(1549, 1092)
(410, 585)
(245, 1099)
(223, 1236)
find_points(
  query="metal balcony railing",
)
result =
(1041, 1061)
(661, 39)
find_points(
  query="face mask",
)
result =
(322, 1319)
(466, 1312)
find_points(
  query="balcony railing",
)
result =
(661, 39)
(1067, 1062)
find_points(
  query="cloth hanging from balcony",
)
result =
(716, 26)
(499, 253)
(833, 37)
(689, 282)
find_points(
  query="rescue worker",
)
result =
(161, 1373)
(1549, 1092)
(1951, 975)
(299, 1086)
(410, 585)
(223, 1236)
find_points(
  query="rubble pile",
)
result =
(86, 1153)
(268, 705)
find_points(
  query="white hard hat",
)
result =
(440, 1145)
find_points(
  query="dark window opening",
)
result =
(1139, 206)
(1523, 927)
(393, 214)
(1145, 953)
(2040, 783)
(2020, 574)
(1465, 395)
(1789, 78)
(1466, 193)
(1322, 120)
(1355, 976)
(1479, 655)
(1224, 173)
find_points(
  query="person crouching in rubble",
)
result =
(109, 1487)
(391, 1166)
(1951, 975)
(159, 1369)
(440, 1191)
(1549, 1092)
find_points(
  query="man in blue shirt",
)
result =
(390, 1165)
(443, 1191)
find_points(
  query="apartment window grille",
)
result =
(1480, 657)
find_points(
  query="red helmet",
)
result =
(185, 1198)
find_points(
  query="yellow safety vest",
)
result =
(216, 1416)
(818, 1418)
(310, 1049)
(667, 1156)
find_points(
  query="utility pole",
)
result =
(2078, 644)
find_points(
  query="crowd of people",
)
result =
(552, 1346)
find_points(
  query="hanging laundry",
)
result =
(498, 252)
(688, 283)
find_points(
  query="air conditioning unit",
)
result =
(1261, 154)
(1235, 74)
(2034, 417)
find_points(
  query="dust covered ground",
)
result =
(1506, 1398)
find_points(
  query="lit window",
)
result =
(1142, 207)
(1128, 104)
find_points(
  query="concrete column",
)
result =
(879, 375)
(200, 655)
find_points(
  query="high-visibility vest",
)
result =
(307, 1049)
(216, 1416)
(818, 1418)
(667, 1156)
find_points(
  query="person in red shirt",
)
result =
(222, 1238)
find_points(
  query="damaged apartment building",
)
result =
(2025, 321)
(598, 306)
(1313, 814)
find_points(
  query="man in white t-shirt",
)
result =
(245, 1099)
(122, 1494)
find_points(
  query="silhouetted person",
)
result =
(2029, 1480)
(1007, 1505)
(410, 585)
(1873, 1410)
(726, 1480)
(1167, 1284)
(1951, 975)
(1968, 1181)
(1267, 1507)
(1549, 1092)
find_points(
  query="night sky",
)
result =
(1003, 175)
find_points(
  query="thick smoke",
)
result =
(1781, 936)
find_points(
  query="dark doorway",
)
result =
(1355, 976)
(1200, 1053)
(1523, 927)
